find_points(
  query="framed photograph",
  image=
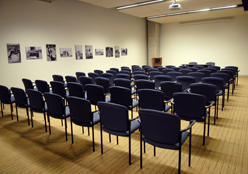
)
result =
(89, 51)
(33, 53)
(51, 52)
(117, 51)
(14, 53)
(123, 51)
(65, 52)
(99, 52)
(109, 52)
(79, 52)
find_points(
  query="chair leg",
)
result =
(17, 114)
(72, 141)
(66, 130)
(48, 118)
(101, 138)
(144, 147)
(32, 114)
(204, 132)
(2, 109)
(28, 115)
(88, 131)
(154, 150)
(82, 129)
(208, 121)
(129, 148)
(93, 139)
(140, 149)
(190, 145)
(117, 140)
(110, 138)
(61, 122)
(179, 159)
(11, 111)
(45, 121)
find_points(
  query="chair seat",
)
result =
(168, 146)
(134, 126)
(135, 103)
(107, 99)
(167, 107)
(96, 119)
(39, 110)
(200, 119)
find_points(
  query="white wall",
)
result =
(66, 23)
(225, 43)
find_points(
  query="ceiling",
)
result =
(162, 8)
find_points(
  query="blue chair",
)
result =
(192, 63)
(112, 72)
(197, 75)
(185, 71)
(124, 83)
(210, 63)
(205, 71)
(21, 100)
(70, 79)
(80, 114)
(104, 82)
(93, 76)
(166, 70)
(59, 88)
(154, 73)
(115, 121)
(42, 86)
(123, 76)
(37, 104)
(115, 69)
(185, 81)
(6, 98)
(79, 74)
(140, 76)
(144, 84)
(189, 106)
(152, 99)
(76, 90)
(163, 130)
(174, 74)
(28, 84)
(169, 66)
(161, 78)
(109, 76)
(99, 72)
(56, 109)
(209, 91)
(123, 96)
(59, 78)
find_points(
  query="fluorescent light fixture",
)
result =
(194, 11)
(139, 4)
(226, 19)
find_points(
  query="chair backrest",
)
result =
(139, 72)
(20, 96)
(4, 94)
(120, 95)
(28, 84)
(161, 68)
(55, 105)
(152, 69)
(109, 76)
(58, 78)
(80, 109)
(151, 99)
(169, 66)
(174, 74)
(104, 82)
(213, 70)
(114, 116)
(185, 81)
(166, 70)
(112, 72)
(122, 82)
(231, 73)
(75, 89)
(37, 103)
(126, 68)
(58, 88)
(185, 71)
(79, 74)
(70, 79)
(93, 76)
(42, 86)
(160, 126)
(161, 78)
(194, 69)
(224, 76)
(140, 76)
(115, 69)
(153, 73)
(234, 67)
(85, 80)
(193, 63)
(208, 90)
(95, 93)
(210, 63)
(189, 106)
(123, 76)
(176, 68)
(205, 71)
(99, 72)
(125, 72)
(198, 66)
(216, 67)
(219, 82)
(144, 84)
(197, 75)
(169, 88)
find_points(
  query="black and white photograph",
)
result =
(14, 53)
(89, 51)
(33, 53)
(99, 52)
(51, 52)
(65, 52)
(117, 51)
(79, 52)
(123, 51)
(109, 52)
